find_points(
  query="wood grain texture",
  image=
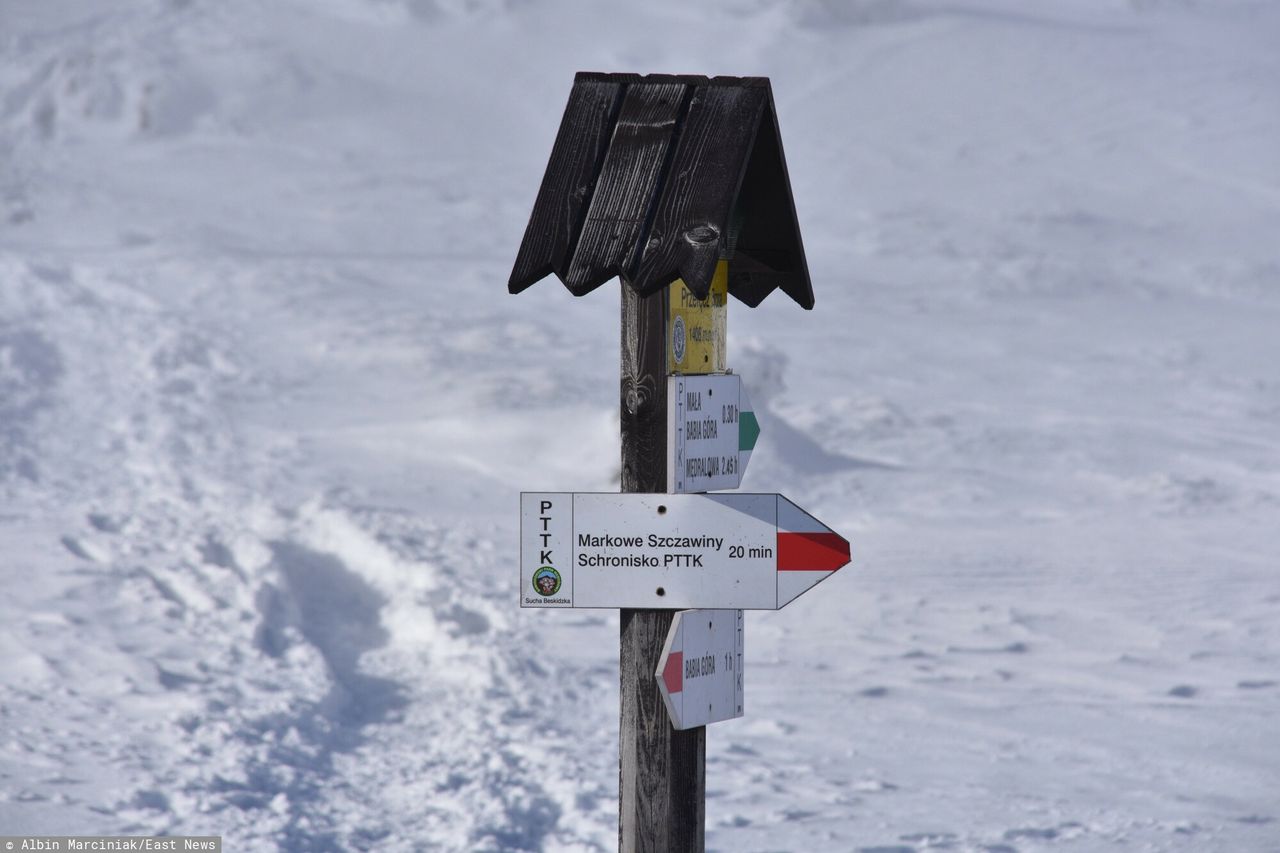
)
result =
(662, 785)
(691, 220)
(569, 181)
(618, 217)
(653, 178)
(661, 772)
(643, 392)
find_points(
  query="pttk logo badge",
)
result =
(678, 338)
(546, 581)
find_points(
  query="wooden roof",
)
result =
(655, 178)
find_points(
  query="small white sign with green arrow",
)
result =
(711, 430)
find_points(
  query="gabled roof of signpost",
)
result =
(656, 178)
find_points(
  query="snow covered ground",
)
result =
(265, 409)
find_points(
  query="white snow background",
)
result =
(266, 406)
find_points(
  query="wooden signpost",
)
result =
(678, 186)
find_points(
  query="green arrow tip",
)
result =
(748, 430)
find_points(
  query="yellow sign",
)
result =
(696, 327)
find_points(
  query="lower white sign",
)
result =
(700, 669)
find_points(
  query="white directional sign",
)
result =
(711, 430)
(700, 669)
(757, 552)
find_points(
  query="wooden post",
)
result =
(661, 771)
(653, 178)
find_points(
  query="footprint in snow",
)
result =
(1259, 684)
(104, 523)
(1018, 648)
(80, 549)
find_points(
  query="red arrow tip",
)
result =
(811, 552)
(673, 672)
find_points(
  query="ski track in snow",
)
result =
(265, 410)
(196, 659)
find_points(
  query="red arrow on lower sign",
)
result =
(700, 669)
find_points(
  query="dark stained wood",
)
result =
(644, 393)
(799, 287)
(636, 187)
(769, 252)
(662, 784)
(661, 771)
(629, 181)
(569, 182)
(752, 277)
(692, 216)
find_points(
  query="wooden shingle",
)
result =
(655, 178)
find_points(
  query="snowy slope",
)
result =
(265, 408)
